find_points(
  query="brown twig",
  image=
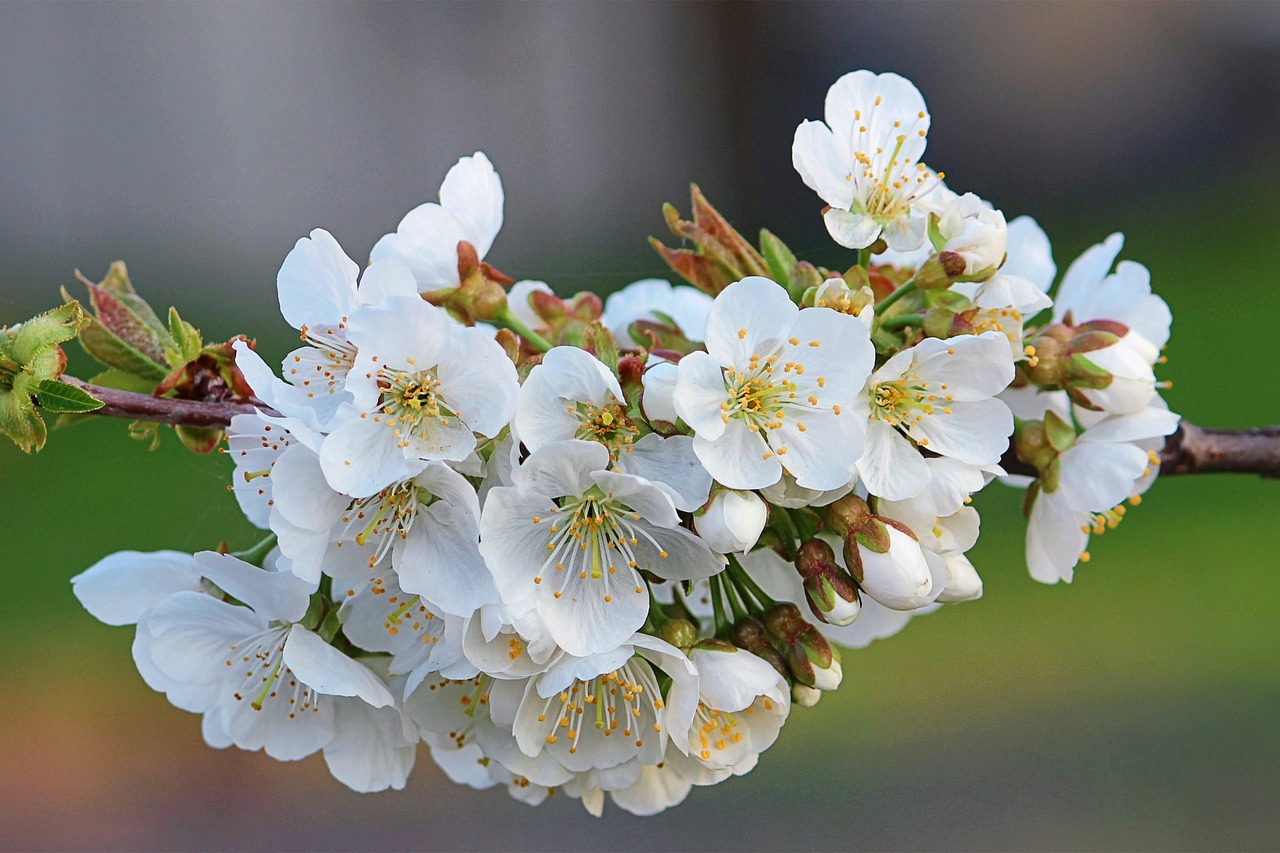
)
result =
(1197, 450)
(1190, 450)
(166, 410)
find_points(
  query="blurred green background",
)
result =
(1133, 709)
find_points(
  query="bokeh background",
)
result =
(1134, 709)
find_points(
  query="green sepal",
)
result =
(1061, 434)
(330, 625)
(58, 396)
(874, 536)
(316, 608)
(1080, 372)
(936, 237)
(199, 439)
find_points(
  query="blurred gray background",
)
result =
(1133, 710)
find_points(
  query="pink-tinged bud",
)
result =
(732, 521)
(829, 590)
(847, 515)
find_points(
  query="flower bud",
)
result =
(749, 633)
(804, 695)
(847, 515)
(897, 577)
(940, 271)
(828, 588)
(1115, 378)
(810, 658)
(732, 521)
(963, 582)
(680, 633)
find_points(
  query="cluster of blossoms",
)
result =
(603, 548)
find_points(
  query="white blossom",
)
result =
(426, 240)
(422, 388)
(938, 395)
(732, 521)
(865, 160)
(775, 390)
(575, 534)
(647, 298)
(571, 394)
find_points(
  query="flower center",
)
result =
(625, 701)
(383, 518)
(599, 536)
(608, 425)
(266, 683)
(887, 187)
(412, 404)
(906, 401)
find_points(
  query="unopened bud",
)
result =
(829, 590)
(940, 271)
(732, 521)
(898, 577)
(749, 633)
(679, 632)
(848, 514)
(804, 695)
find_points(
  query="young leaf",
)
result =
(780, 259)
(60, 397)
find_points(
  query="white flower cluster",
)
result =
(566, 567)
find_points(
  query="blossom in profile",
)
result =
(647, 298)
(426, 240)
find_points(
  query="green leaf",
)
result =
(117, 316)
(780, 260)
(122, 381)
(61, 397)
(107, 348)
(42, 333)
(117, 281)
(186, 337)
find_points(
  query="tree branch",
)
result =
(1190, 450)
(1198, 450)
(167, 410)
